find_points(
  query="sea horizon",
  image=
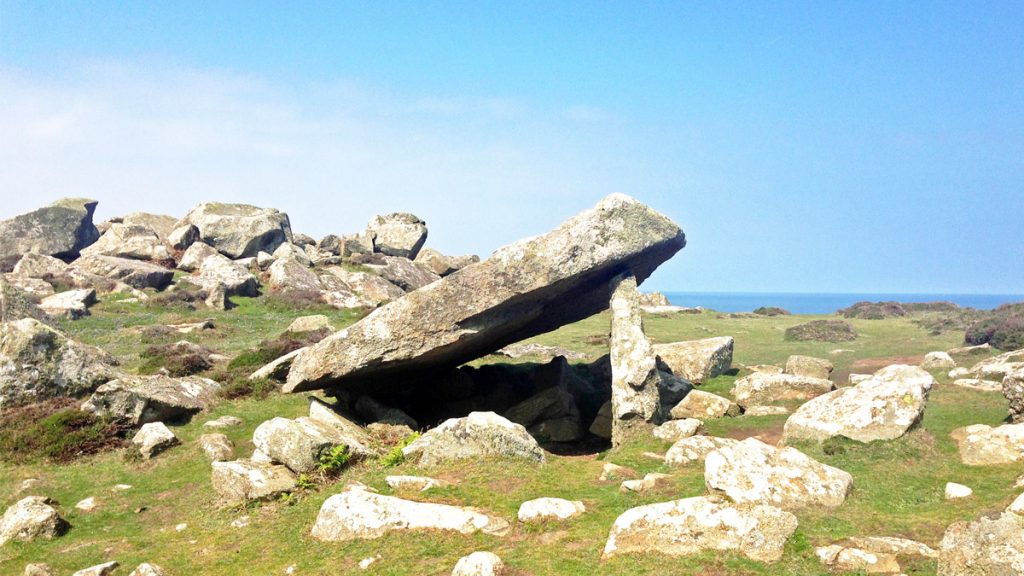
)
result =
(827, 302)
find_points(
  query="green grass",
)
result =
(897, 485)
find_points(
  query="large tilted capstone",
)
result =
(524, 289)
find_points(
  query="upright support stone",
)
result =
(635, 401)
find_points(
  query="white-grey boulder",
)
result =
(397, 234)
(697, 360)
(153, 438)
(478, 435)
(31, 518)
(239, 230)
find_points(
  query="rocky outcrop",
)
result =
(703, 405)
(401, 272)
(38, 362)
(216, 270)
(808, 366)
(30, 519)
(135, 273)
(443, 265)
(479, 435)
(143, 399)
(694, 525)
(360, 514)
(695, 449)
(982, 445)
(697, 360)
(938, 361)
(136, 241)
(636, 403)
(397, 234)
(241, 481)
(752, 471)
(239, 230)
(71, 304)
(299, 443)
(762, 388)
(61, 229)
(153, 438)
(522, 290)
(884, 407)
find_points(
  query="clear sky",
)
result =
(819, 146)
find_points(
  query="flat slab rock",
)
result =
(763, 388)
(883, 407)
(142, 399)
(527, 288)
(694, 525)
(361, 514)
(752, 471)
(240, 481)
(697, 360)
(982, 445)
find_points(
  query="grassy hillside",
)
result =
(898, 485)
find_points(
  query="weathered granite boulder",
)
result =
(417, 483)
(72, 304)
(61, 229)
(299, 443)
(675, 430)
(883, 407)
(153, 438)
(397, 234)
(1013, 390)
(217, 447)
(240, 481)
(853, 559)
(443, 265)
(703, 405)
(938, 361)
(808, 366)
(694, 525)
(40, 266)
(162, 224)
(34, 288)
(752, 471)
(289, 275)
(479, 435)
(38, 362)
(158, 398)
(135, 273)
(370, 288)
(239, 230)
(695, 449)
(982, 445)
(147, 569)
(310, 323)
(215, 270)
(401, 272)
(182, 237)
(989, 546)
(360, 514)
(762, 388)
(545, 509)
(524, 289)
(192, 259)
(636, 403)
(278, 368)
(292, 251)
(31, 518)
(697, 360)
(479, 564)
(137, 241)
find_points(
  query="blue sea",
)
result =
(801, 303)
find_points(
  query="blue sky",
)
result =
(818, 146)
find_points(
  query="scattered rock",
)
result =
(987, 546)
(37, 362)
(418, 483)
(808, 366)
(650, 481)
(143, 399)
(752, 471)
(136, 241)
(479, 564)
(444, 265)
(239, 230)
(360, 514)
(976, 384)
(299, 443)
(545, 509)
(135, 273)
(397, 234)
(401, 272)
(956, 491)
(147, 569)
(72, 304)
(30, 519)
(61, 229)
(695, 449)
(851, 559)
(938, 361)
(762, 388)
(694, 525)
(675, 430)
(982, 445)
(87, 505)
(611, 472)
(224, 422)
(153, 438)
(310, 324)
(766, 411)
(38, 569)
(217, 447)
(542, 351)
(365, 563)
(217, 271)
(524, 289)
(698, 360)
(704, 405)
(481, 434)
(241, 481)
(104, 569)
(883, 407)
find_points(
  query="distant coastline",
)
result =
(810, 303)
